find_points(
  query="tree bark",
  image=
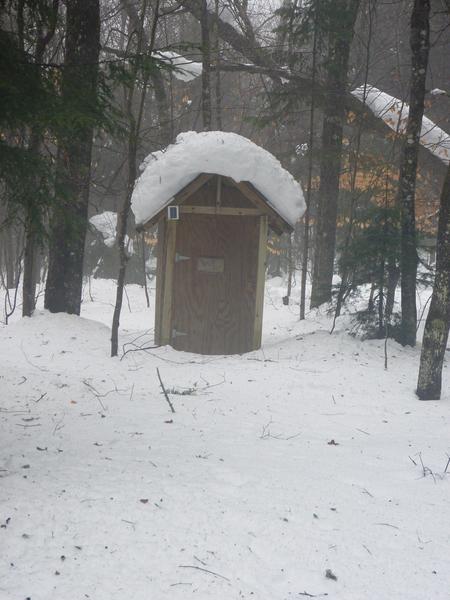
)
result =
(420, 46)
(260, 60)
(393, 275)
(438, 320)
(31, 246)
(217, 61)
(122, 221)
(32, 217)
(340, 39)
(134, 124)
(206, 68)
(70, 216)
(306, 220)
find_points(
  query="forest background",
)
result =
(90, 89)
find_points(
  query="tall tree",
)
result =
(45, 26)
(420, 47)
(306, 219)
(338, 19)
(206, 68)
(134, 121)
(438, 320)
(69, 219)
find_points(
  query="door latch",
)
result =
(176, 333)
(180, 257)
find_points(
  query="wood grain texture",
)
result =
(180, 197)
(166, 310)
(276, 222)
(222, 210)
(160, 270)
(215, 310)
(260, 281)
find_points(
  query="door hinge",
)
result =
(176, 333)
(180, 257)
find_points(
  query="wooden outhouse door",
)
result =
(214, 283)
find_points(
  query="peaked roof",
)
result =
(166, 173)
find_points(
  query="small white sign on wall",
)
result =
(173, 213)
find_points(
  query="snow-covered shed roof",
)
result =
(166, 172)
(394, 113)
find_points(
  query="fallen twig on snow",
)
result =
(205, 570)
(164, 391)
(266, 434)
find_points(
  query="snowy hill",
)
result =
(280, 470)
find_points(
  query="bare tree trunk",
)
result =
(438, 320)
(393, 276)
(10, 259)
(305, 254)
(206, 68)
(330, 167)
(70, 218)
(29, 275)
(420, 46)
(122, 221)
(162, 103)
(31, 246)
(218, 81)
(32, 226)
(134, 124)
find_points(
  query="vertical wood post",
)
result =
(260, 281)
(160, 268)
(166, 308)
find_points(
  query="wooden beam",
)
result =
(219, 191)
(222, 210)
(260, 281)
(160, 262)
(166, 309)
(276, 222)
(180, 197)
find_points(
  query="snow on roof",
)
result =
(167, 172)
(394, 113)
(106, 224)
(184, 69)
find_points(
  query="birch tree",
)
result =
(438, 320)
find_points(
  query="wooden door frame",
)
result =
(165, 278)
(260, 281)
(164, 282)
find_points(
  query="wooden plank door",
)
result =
(214, 283)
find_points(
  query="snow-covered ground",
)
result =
(278, 467)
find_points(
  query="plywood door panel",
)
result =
(213, 310)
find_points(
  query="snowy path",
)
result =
(296, 459)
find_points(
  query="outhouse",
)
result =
(213, 196)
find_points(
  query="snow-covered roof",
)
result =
(394, 113)
(184, 69)
(106, 224)
(167, 172)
